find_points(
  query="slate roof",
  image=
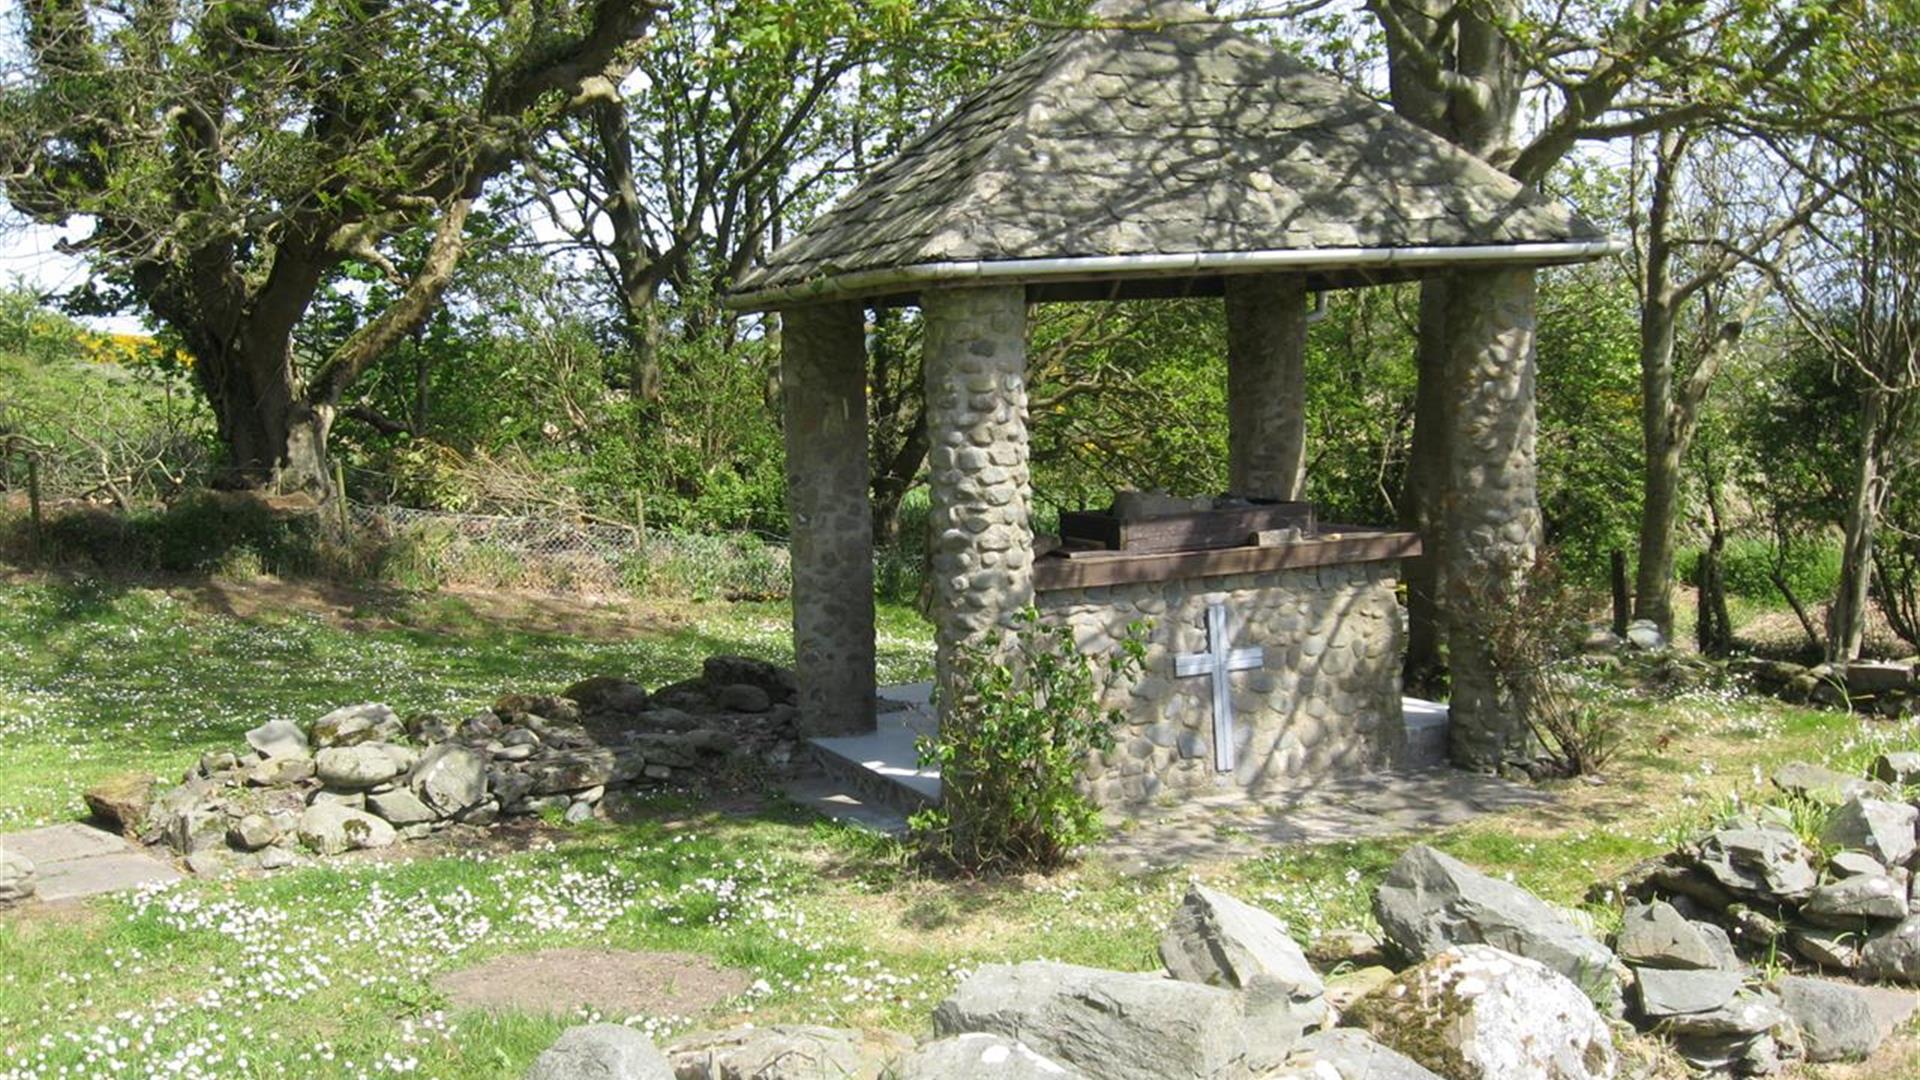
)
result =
(1161, 138)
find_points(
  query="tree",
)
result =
(1697, 247)
(1460, 69)
(1863, 308)
(235, 157)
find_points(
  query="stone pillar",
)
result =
(823, 379)
(976, 372)
(1491, 508)
(1267, 384)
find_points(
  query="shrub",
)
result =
(1011, 747)
(1533, 633)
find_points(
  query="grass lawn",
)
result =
(329, 971)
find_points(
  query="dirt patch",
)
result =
(617, 984)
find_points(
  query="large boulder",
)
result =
(356, 724)
(330, 828)
(122, 802)
(1474, 1012)
(601, 1052)
(362, 765)
(1657, 935)
(1770, 865)
(1834, 1019)
(981, 1055)
(1349, 1054)
(449, 778)
(785, 1052)
(1217, 940)
(1114, 1025)
(1881, 828)
(1430, 902)
(18, 878)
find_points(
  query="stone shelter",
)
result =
(1160, 153)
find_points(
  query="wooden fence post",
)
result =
(33, 496)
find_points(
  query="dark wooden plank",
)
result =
(1197, 530)
(1092, 569)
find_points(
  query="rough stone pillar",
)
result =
(1491, 506)
(823, 379)
(1267, 384)
(976, 373)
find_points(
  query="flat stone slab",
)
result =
(1233, 823)
(76, 861)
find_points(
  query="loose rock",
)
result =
(980, 1054)
(1430, 902)
(1817, 783)
(1758, 863)
(1834, 1021)
(122, 802)
(356, 724)
(1880, 828)
(360, 766)
(1473, 1012)
(1900, 768)
(1113, 1025)
(449, 778)
(601, 1052)
(279, 739)
(1850, 900)
(1217, 940)
(1657, 935)
(1350, 1054)
(1893, 954)
(785, 1052)
(331, 828)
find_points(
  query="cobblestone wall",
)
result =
(1325, 703)
(976, 376)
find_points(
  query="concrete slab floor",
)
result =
(75, 860)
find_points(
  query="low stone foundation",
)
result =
(1325, 702)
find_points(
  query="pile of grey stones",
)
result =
(1871, 687)
(1471, 978)
(1237, 999)
(361, 777)
(1752, 886)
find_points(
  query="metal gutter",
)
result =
(882, 282)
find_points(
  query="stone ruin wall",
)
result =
(1326, 703)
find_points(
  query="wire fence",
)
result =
(435, 547)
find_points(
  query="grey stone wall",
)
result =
(1325, 703)
(1266, 384)
(823, 379)
(982, 543)
(1492, 509)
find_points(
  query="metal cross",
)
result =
(1219, 661)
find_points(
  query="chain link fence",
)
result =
(434, 547)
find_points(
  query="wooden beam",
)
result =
(1087, 570)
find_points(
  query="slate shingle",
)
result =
(1188, 137)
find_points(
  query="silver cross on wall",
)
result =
(1219, 661)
